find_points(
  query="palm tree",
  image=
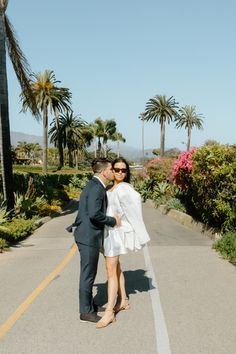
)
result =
(188, 118)
(73, 133)
(22, 70)
(161, 109)
(61, 103)
(106, 129)
(118, 137)
(94, 131)
(141, 117)
(48, 96)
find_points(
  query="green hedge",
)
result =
(227, 246)
(212, 189)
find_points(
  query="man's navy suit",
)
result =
(89, 234)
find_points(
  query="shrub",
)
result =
(78, 182)
(17, 229)
(213, 185)
(175, 203)
(3, 245)
(207, 176)
(227, 246)
(182, 168)
(160, 169)
(145, 187)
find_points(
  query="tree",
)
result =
(106, 129)
(211, 142)
(161, 109)
(188, 118)
(60, 103)
(93, 130)
(48, 96)
(118, 137)
(22, 71)
(73, 133)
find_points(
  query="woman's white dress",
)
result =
(132, 235)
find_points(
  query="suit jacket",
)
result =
(91, 218)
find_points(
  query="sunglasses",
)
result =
(117, 170)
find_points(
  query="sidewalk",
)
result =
(197, 292)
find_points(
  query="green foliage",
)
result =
(144, 186)
(160, 169)
(166, 194)
(4, 215)
(212, 189)
(3, 245)
(78, 182)
(227, 246)
(17, 229)
(175, 203)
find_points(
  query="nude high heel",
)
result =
(105, 322)
(122, 305)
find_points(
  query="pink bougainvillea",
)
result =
(182, 169)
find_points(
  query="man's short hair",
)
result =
(100, 164)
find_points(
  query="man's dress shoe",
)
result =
(89, 317)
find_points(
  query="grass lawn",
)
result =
(51, 169)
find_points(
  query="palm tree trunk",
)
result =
(76, 159)
(5, 142)
(95, 146)
(162, 147)
(99, 146)
(189, 138)
(104, 147)
(70, 157)
(118, 148)
(45, 139)
(59, 141)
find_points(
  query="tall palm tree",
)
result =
(49, 97)
(161, 109)
(22, 71)
(118, 137)
(188, 118)
(106, 128)
(61, 103)
(94, 131)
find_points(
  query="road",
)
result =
(182, 295)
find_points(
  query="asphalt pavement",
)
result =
(182, 295)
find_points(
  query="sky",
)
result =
(116, 55)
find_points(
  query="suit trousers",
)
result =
(88, 270)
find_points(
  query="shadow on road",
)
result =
(135, 281)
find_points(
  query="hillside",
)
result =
(126, 151)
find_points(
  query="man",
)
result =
(89, 233)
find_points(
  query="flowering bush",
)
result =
(159, 169)
(182, 169)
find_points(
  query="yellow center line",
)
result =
(35, 293)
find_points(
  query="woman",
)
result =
(124, 201)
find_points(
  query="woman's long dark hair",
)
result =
(121, 159)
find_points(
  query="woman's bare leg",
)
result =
(122, 301)
(112, 289)
(121, 283)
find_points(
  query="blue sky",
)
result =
(116, 55)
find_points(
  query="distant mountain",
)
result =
(126, 151)
(16, 137)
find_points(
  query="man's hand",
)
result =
(118, 220)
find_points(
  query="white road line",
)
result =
(162, 338)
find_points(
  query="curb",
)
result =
(188, 221)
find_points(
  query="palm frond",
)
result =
(20, 64)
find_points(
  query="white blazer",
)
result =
(126, 201)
